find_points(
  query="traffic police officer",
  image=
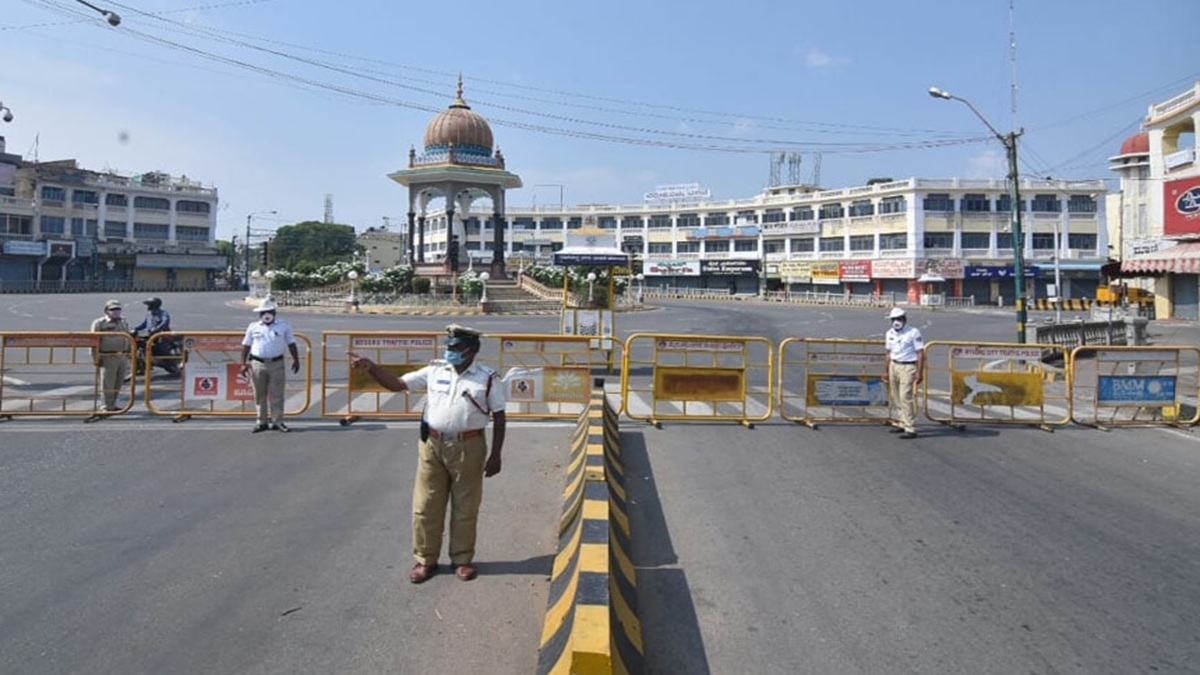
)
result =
(112, 353)
(905, 365)
(461, 396)
(262, 356)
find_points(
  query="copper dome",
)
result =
(1137, 144)
(460, 127)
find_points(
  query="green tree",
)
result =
(307, 246)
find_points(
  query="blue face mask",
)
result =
(455, 358)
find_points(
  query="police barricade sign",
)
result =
(995, 383)
(701, 377)
(211, 382)
(546, 376)
(831, 380)
(352, 394)
(62, 373)
(1128, 386)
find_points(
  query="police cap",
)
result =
(462, 335)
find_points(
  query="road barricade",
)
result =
(995, 383)
(1134, 386)
(58, 373)
(702, 377)
(832, 380)
(211, 383)
(544, 376)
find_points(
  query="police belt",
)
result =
(905, 363)
(459, 436)
(262, 360)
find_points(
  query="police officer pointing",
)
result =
(461, 396)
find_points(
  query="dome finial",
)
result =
(458, 97)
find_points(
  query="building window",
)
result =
(861, 207)
(897, 241)
(746, 217)
(715, 219)
(607, 222)
(84, 197)
(54, 194)
(660, 221)
(1086, 242)
(551, 224)
(862, 242)
(976, 240)
(832, 211)
(116, 200)
(53, 225)
(1043, 241)
(893, 205)
(83, 228)
(976, 203)
(114, 229)
(1004, 240)
(11, 223)
(773, 246)
(833, 244)
(631, 223)
(939, 202)
(152, 203)
(803, 213)
(688, 247)
(659, 248)
(187, 206)
(523, 223)
(1081, 204)
(803, 245)
(716, 246)
(149, 231)
(939, 240)
(774, 216)
(745, 245)
(1004, 204)
(1046, 204)
(193, 234)
(574, 223)
(687, 221)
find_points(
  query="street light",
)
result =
(270, 277)
(640, 296)
(591, 279)
(5, 113)
(352, 275)
(109, 16)
(250, 217)
(483, 277)
(1009, 141)
(1058, 293)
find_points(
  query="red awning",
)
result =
(1179, 259)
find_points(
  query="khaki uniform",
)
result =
(452, 457)
(904, 351)
(112, 358)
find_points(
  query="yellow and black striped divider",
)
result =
(832, 380)
(1068, 304)
(58, 373)
(995, 383)
(591, 621)
(1134, 386)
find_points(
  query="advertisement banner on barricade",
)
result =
(66, 373)
(1135, 386)
(832, 380)
(996, 383)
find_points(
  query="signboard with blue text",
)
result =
(1135, 390)
(996, 272)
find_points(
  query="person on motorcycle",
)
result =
(157, 320)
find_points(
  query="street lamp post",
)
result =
(591, 279)
(641, 296)
(250, 217)
(270, 277)
(483, 277)
(352, 275)
(109, 16)
(1009, 141)
(1058, 291)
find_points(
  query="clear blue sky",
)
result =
(702, 92)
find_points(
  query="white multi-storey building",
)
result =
(86, 229)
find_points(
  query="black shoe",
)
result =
(907, 435)
(896, 430)
(259, 427)
(280, 426)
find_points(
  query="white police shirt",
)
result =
(456, 403)
(905, 344)
(268, 340)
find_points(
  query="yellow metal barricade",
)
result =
(1128, 386)
(211, 383)
(353, 395)
(58, 373)
(995, 383)
(831, 380)
(544, 376)
(703, 377)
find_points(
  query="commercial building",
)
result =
(75, 229)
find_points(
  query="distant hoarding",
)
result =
(1181, 207)
(685, 193)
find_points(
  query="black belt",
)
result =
(262, 360)
(461, 436)
(906, 363)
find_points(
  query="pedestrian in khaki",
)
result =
(111, 355)
(461, 396)
(904, 369)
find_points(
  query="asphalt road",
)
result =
(140, 546)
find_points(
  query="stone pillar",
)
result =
(408, 243)
(498, 226)
(421, 238)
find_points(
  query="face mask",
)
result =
(898, 324)
(268, 318)
(455, 358)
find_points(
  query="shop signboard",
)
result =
(672, 268)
